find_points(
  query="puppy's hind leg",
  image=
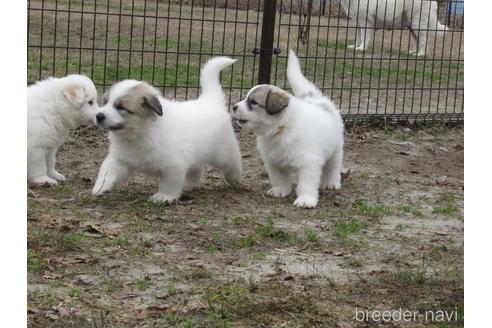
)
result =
(228, 161)
(193, 177)
(37, 167)
(332, 171)
(171, 186)
(51, 160)
(308, 185)
(111, 173)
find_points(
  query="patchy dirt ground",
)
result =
(391, 238)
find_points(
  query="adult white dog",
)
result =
(54, 106)
(300, 134)
(420, 16)
(172, 140)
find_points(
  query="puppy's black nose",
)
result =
(234, 108)
(100, 117)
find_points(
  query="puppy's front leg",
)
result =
(170, 186)
(51, 160)
(280, 180)
(307, 186)
(358, 39)
(112, 172)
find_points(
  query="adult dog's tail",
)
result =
(210, 75)
(301, 87)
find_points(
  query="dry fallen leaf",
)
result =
(123, 294)
(52, 275)
(280, 275)
(157, 309)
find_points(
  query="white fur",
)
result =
(54, 106)
(305, 139)
(420, 16)
(176, 145)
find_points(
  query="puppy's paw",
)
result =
(44, 180)
(351, 46)
(412, 51)
(279, 192)
(306, 201)
(163, 199)
(331, 185)
(57, 176)
(360, 48)
(98, 190)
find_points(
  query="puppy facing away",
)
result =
(54, 106)
(171, 140)
(300, 134)
(420, 16)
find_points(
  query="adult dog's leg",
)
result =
(366, 38)
(51, 160)
(358, 38)
(413, 48)
(280, 181)
(307, 186)
(422, 43)
(171, 186)
(111, 173)
(37, 167)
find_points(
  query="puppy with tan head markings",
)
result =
(171, 140)
(300, 134)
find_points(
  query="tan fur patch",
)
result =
(137, 99)
(272, 98)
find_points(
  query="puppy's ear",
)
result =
(152, 102)
(75, 94)
(276, 100)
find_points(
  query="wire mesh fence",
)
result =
(165, 43)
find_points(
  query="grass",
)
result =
(166, 61)
(415, 212)
(446, 205)
(375, 211)
(142, 283)
(343, 230)
(35, 262)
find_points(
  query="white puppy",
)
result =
(420, 16)
(171, 140)
(54, 106)
(300, 134)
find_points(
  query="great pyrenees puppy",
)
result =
(300, 135)
(171, 140)
(420, 16)
(54, 106)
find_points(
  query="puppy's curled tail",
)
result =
(210, 75)
(301, 87)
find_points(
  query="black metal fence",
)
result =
(165, 43)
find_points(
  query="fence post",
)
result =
(266, 47)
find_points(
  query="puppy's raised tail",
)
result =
(210, 75)
(301, 87)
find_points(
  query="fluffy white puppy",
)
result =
(171, 140)
(54, 106)
(420, 16)
(300, 134)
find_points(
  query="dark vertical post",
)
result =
(323, 10)
(267, 30)
(308, 24)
